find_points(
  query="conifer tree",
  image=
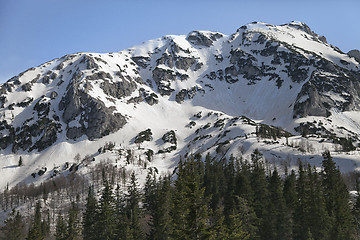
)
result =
(356, 212)
(230, 198)
(133, 209)
(73, 223)
(302, 208)
(89, 217)
(243, 183)
(318, 220)
(61, 228)
(190, 211)
(106, 218)
(337, 200)
(122, 223)
(35, 231)
(260, 190)
(14, 227)
(160, 214)
(277, 216)
(290, 194)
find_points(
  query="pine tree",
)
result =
(14, 227)
(302, 208)
(243, 183)
(61, 228)
(290, 196)
(73, 223)
(133, 209)
(318, 220)
(160, 222)
(337, 200)
(106, 218)
(122, 224)
(20, 163)
(230, 198)
(190, 211)
(356, 212)
(260, 190)
(277, 216)
(35, 231)
(89, 217)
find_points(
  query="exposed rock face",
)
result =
(199, 38)
(324, 92)
(188, 93)
(163, 78)
(95, 119)
(79, 93)
(355, 53)
(118, 89)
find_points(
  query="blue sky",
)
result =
(35, 31)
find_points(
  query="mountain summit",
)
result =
(204, 92)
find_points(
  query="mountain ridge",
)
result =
(284, 76)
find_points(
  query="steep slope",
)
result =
(208, 91)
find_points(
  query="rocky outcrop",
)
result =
(93, 117)
(163, 79)
(190, 93)
(202, 39)
(355, 54)
(325, 91)
(118, 89)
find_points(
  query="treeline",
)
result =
(209, 199)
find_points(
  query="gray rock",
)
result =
(189, 93)
(74, 132)
(355, 54)
(99, 75)
(60, 66)
(141, 61)
(90, 62)
(96, 119)
(53, 95)
(118, 89)
(170, 137)
(184, 62)
(198, 38)
(26, 87)
(162, 78)
(316, 94)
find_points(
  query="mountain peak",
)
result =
(200, 86)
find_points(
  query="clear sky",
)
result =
(35, 31)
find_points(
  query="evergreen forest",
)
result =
(206, 199)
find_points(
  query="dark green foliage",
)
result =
(133, 210)
(158, 206)
(61, 228)
(266, 131)
(213, 199)
(337, 200)
(73, 223)
(190, 211)
(20, 163)
(105, 224)
(14, 227)
(277, 215)
(89, 216)
(346, 143)
(35, 230)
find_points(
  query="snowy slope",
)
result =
(214, 91)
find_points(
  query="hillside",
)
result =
(281, 89)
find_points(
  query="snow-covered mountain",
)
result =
(281, 89)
